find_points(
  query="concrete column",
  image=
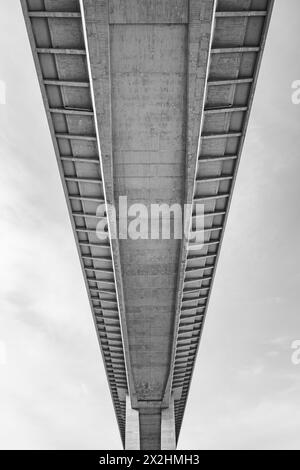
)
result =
(132, 432)
(150, 429)
(168, 436)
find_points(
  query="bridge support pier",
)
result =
(150, 428)
(168, 436)
(132, 432)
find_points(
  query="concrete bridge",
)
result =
(148, 99)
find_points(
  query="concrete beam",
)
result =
(72, 112)
(201, 22)
(51, 50)
(54, 14)
(95, 21)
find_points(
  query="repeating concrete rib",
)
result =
(58, 47)
(234, 65)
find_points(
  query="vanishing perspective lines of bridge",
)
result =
(148, 99)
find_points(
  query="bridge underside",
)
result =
(148, 99)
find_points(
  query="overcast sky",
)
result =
(246, 390)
